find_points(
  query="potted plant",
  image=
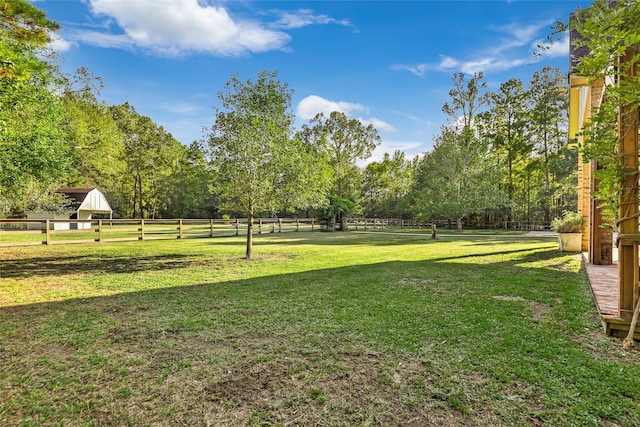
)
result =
(569, 229)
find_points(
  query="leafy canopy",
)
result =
(258, 166)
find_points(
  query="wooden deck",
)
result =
(603, 280)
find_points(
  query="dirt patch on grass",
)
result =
(538, 311)
(367, 388)
(142, 379)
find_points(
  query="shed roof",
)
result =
(86, 199)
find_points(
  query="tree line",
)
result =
(503, 155)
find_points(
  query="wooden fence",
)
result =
(17, 232)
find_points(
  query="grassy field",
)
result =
(321, 329)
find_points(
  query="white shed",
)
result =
(85, 202)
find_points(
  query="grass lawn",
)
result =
(321, 329)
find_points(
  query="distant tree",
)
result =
(456, 179)
(549, 98)
(346, 141)
(187, 191)
(466, 101)
(335, 213)
(151, 154)
(386, 183)
(258, 166)
(504, 124)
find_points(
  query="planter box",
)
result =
(570, 242)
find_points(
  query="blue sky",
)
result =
(388, 63)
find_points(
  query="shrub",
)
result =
(571, 222)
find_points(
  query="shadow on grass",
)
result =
(379, 281)
(227, 336)
(373, 239)
(74, 264)
(38, 266)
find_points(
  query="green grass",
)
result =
(320, 329)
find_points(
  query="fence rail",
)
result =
(17, 232)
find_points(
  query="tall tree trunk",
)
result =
(459, 224)
(249, 253)
(135, 197)
(546, 205)
(139, 185)
(510, 192)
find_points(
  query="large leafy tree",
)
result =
(94, 136)
(610, 34)
(345, 141)
(258, 165)
(24, 33)
(34, 155)
(458, 177)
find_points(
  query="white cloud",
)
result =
(501, 56)
(419, 70)
(310, 106)
(518, 35)
(490, 64)
(305, 17)
(58, 44)
(410, 149)
(99, 39)
(447, 62)
(380, 125)
(176, 27)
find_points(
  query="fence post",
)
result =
(210, 228)
(259, 225)
(297, 225)
(279, 225)
(273, 227)
(47, 239)
(357, 220)
(141, 229)
(365, 224)
(180, 228)
(99, 239)
(312, 223)
(237, 226)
